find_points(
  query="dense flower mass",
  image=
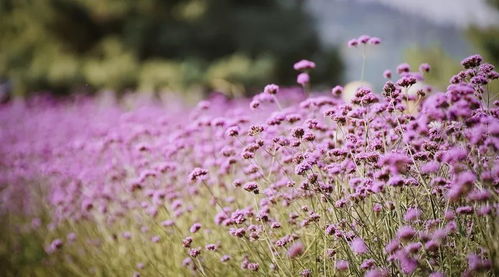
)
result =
(303, 186)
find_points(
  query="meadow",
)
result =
(398, 182)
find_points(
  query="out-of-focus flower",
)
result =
(304, 65)
(296, 249)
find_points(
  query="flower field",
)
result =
(287, 183)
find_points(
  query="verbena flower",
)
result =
(197, 174)
(342, 265)
(406, 232)
(424, 68)
(387, 74)
(374, 41)
(296, 249)
(353, 43)
(304, 65)
(195, 227)
(303, 78)
(412, 214)
(472, 61)
(404, 67)
(271, 89)
(358, 246)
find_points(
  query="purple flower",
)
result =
(71, 236)
(412, 214)
(377, 207)
(167, 223)
(271, 89)
(337, 90)
(358, 246)
(397, 162)
(477, 264)
(376, 273)
(353, 43)
(296, 249)
(367, 264)
(484, 210)
(406, 81)
(387, 74)
(406, 232)
(455, 155)
(253, 266)
(302, 168)
(472, 61)
(435, 105)
(432, 245)
(303, 78)
(364, 39)
(424, 68)
(479, 80)
(194, 252)
(56, 244)
(254, 104)
(404, 67)
(413, 247)
(465, 210)
(211, 247)
(195, 227)
(237, 232)
(342, 265)
(156, 239)
(449, 215)
(304, 65)
(232, 131)
(392, 246)
(430, 167)
(187, 261)
(306, 273)
(126, 235)
(374, 41)
(275, 225)
(251, 187)
(330, 252)
(187, 242)
(462, 185)
(407, 263)
(198, 174)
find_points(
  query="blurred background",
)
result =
(231, 46)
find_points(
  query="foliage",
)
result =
(486, 41)
(113, 44)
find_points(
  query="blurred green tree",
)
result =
(231, 45)
(443, 66)
(487, 42)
